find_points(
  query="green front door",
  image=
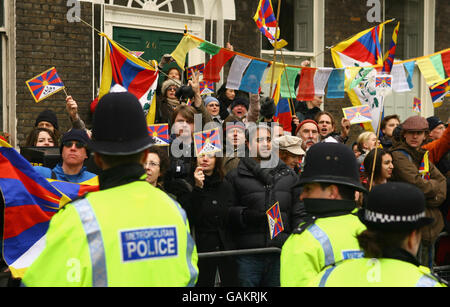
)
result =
(154, 44)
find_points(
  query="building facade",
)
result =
(39, 34)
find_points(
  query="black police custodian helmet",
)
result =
(331, 163)
(395, 206)
(119, 126)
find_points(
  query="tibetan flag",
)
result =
(160, 134)
(363, 49)
(215, 65)
(306, 86)
(383, 81)
(389, 57)
(267, 23)
(206, 87)
(236, 72)
(186, 44)
(275, 221)
(45, 84)
(207, 142)
(424, 167)
(283, 113)
(200, 68)
(417, 105)
(252, 78)
(30, 202)
(134, 75)
(358, 114)
(439, 92)
(74, 190)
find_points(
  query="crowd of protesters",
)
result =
(226, 194)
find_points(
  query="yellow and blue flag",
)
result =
(267, 24)
(363, 49)
(389, 57)
(283, 112)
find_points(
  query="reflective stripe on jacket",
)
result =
(130, 235)
(383, 272)
(324, 243)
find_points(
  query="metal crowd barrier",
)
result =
(442, 271)
(239, 252)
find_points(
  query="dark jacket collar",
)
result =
(400, 254)
(251, 167)
(120, 175)
(328, 207)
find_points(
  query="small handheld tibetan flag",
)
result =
(206, 87)
(384, 81)
(417, 105)
(207, 142)
(275, 221)
(200, 68)
(45, 84)
(424, 167)
(383, 85)
(358, 114)
(160, 134)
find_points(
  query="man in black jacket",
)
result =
(260, 182)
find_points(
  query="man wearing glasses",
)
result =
(73, 153)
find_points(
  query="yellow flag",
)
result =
(279, 69)
(429, 72)
(186, 44)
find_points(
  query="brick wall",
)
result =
(44, 39)
(245, 36)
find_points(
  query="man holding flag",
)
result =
(412, 165)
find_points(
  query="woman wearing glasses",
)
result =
(207, 207)
(73, 154)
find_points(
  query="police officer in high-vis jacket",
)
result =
(394, 216)
(330, 178)
(127, 234)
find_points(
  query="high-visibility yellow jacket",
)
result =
(130, 235)
(323, 243)
(382, 272)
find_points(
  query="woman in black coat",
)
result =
(207, 208)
